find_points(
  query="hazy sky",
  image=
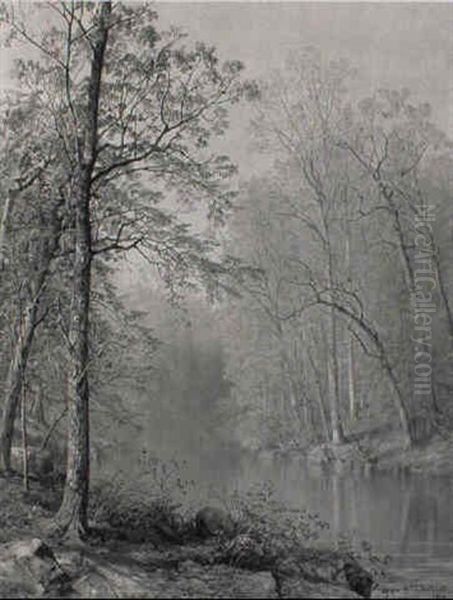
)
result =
(391, 44)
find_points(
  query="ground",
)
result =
(117, 562)
(155, 556)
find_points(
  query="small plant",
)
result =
(363, 552)
(149, 506)
(277, 528)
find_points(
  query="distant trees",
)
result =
(333, 230)
(394, 145)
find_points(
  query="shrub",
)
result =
(363, 552)
(143, 509)
(275, 527)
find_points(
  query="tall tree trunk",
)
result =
(374, 338)
(24, 438)
(353, 408)
(27, 322)
(350, 339)
(7, 210)
(320, 397)
(444, 293)
(334, 388)
(336, 504)
(73, 513)
(309, 342)
(15, 381)
(73, 510)
(427, 407)
(387, 192)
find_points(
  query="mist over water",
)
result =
(405, 516)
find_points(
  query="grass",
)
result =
(25, 514)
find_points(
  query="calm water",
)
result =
(407, 516)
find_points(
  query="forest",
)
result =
(161, 306)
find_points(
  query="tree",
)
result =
(299, 113)
(393, 143)
(27, 259)
(351, 208)
(135, 111)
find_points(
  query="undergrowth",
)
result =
(149, 507)
(258, 512)
(363, 552)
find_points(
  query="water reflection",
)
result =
(407, 516)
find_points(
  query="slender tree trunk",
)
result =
(374, 338)
(15, 381)
(290, 408)
(24, 438)
(321, 406)
(387, 193)
(351, 380)
(42, 420)
(428, 407)
(73, 513)
(7, 210)
(6, 214)
(334, 388)
(324, 420)
(319, 387)
(336, 504)
(350, 339)
(444, 294)
(334, 392)
(73, 510)
(28, 321)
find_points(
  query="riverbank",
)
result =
(433, 457)
(140, 549)
(382, 449)
(164, 555)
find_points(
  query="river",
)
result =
(406, 516)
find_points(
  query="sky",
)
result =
(390, 44)
(394, 45)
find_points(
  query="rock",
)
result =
(212, 521)
(298, 587)
(125, 579)
(321, 568)
(359, 580)
(167, 530)
(29, 568)
(323, 565)
(226, 582)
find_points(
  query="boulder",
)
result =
(102, 579)
(359, 580)
(298, 587)
(212, 521)
(322, 568)
(29, 568)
